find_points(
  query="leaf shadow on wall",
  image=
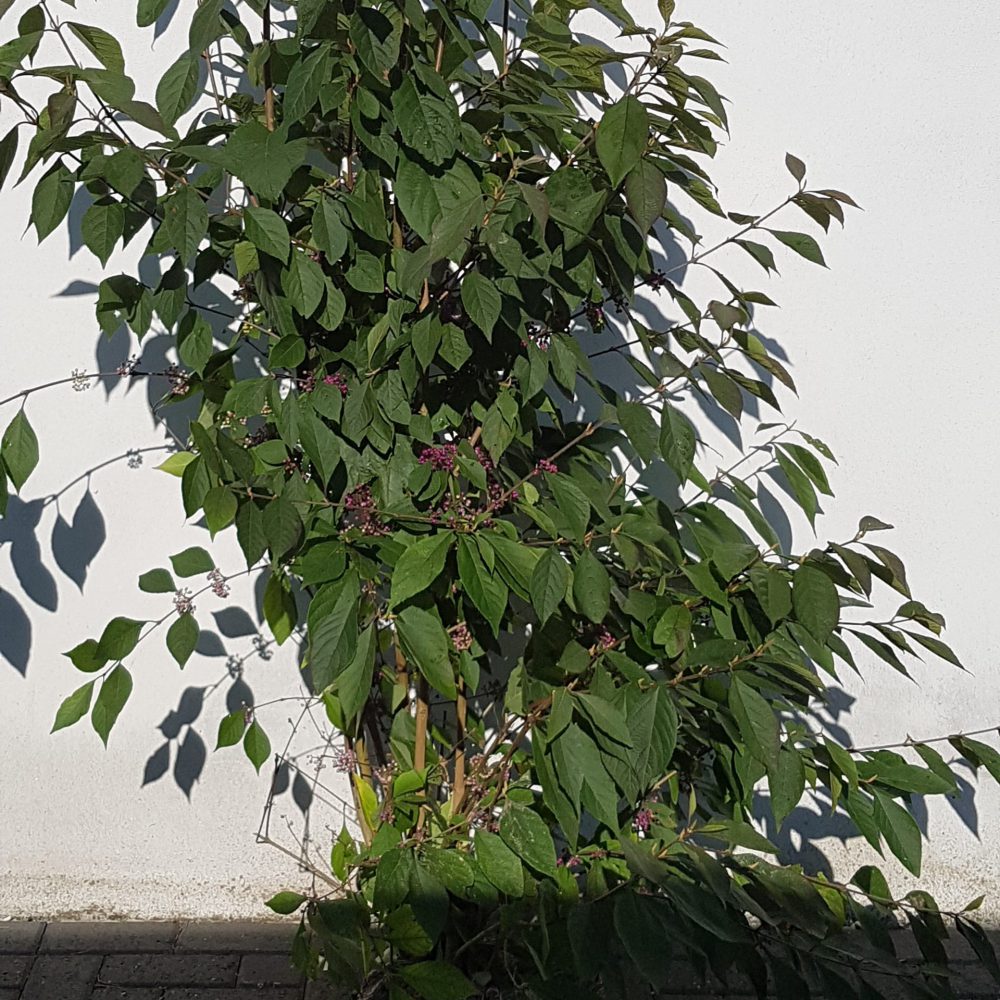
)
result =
(813, 820)
(74, 543)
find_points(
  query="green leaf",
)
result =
(51, 199)
(149, 11)
(376, 41)
(419, 565)
(279, 608)
(157, 581)
(481, 301)
(499, 864)
(206, 25)
(178, 87)
(332, 626)
(591, 587)
(639, 425)
(428, 125)
(980, 943)
(182, 637)
(329, 232)
(282, 526)
(8, 152)
(437, 981)
(677, 441)
(192, 562)
(304, 283)
(220, 506)
(119, 638)
(102, 227)
(285, 903)
(425, 644)
(786, 782)
(814, 597)
(231, 729)
(289, 352)
(645, 194)
(103, 45)
(19, 449)
(756, 720)
(486, 590)
(86, 656)
(900, 831)
(256, 745)
(74, 707)
(621, 137)
(573, 505)
(354, 684)
(673, 630)
(803, 244)
(110, 701)
(267, 231)
(549, 583)
(175, 464)
(304, 83)
(263, 160)
(529, 837)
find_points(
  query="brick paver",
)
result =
(20, 937)
(107, 936)
(127, 993)
(170, 970)
(62, 977)
(267, 970)
(14, 970)
(197, 993)
(237, 937)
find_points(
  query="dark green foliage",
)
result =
(434, 256)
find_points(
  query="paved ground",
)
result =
(241, 961)
(149, 961)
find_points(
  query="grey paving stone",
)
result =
(14, 969)
(170, 970)
(20, 937)
(320, 990)
(200, 993)
(10, 994)
(263, 969)
(273, 936)
(127, 993)
(61, 977)
(106, 936)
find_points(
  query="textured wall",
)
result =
(893, 349)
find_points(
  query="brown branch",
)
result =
(458, 785)
(268, 83)
(420, 745)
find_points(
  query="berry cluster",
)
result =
(461, 637)
(177, 379)
(595, 316)
(537, 335)
(127, 368)
(642, 821)
(219, 586)
(337, 381)
(656, 280)
(183, 602)
(360, 506)
(345, 761)
(441, 457)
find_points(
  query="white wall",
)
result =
(892, 348)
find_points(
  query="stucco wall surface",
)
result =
(894, 350)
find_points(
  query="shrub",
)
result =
(450, 417)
